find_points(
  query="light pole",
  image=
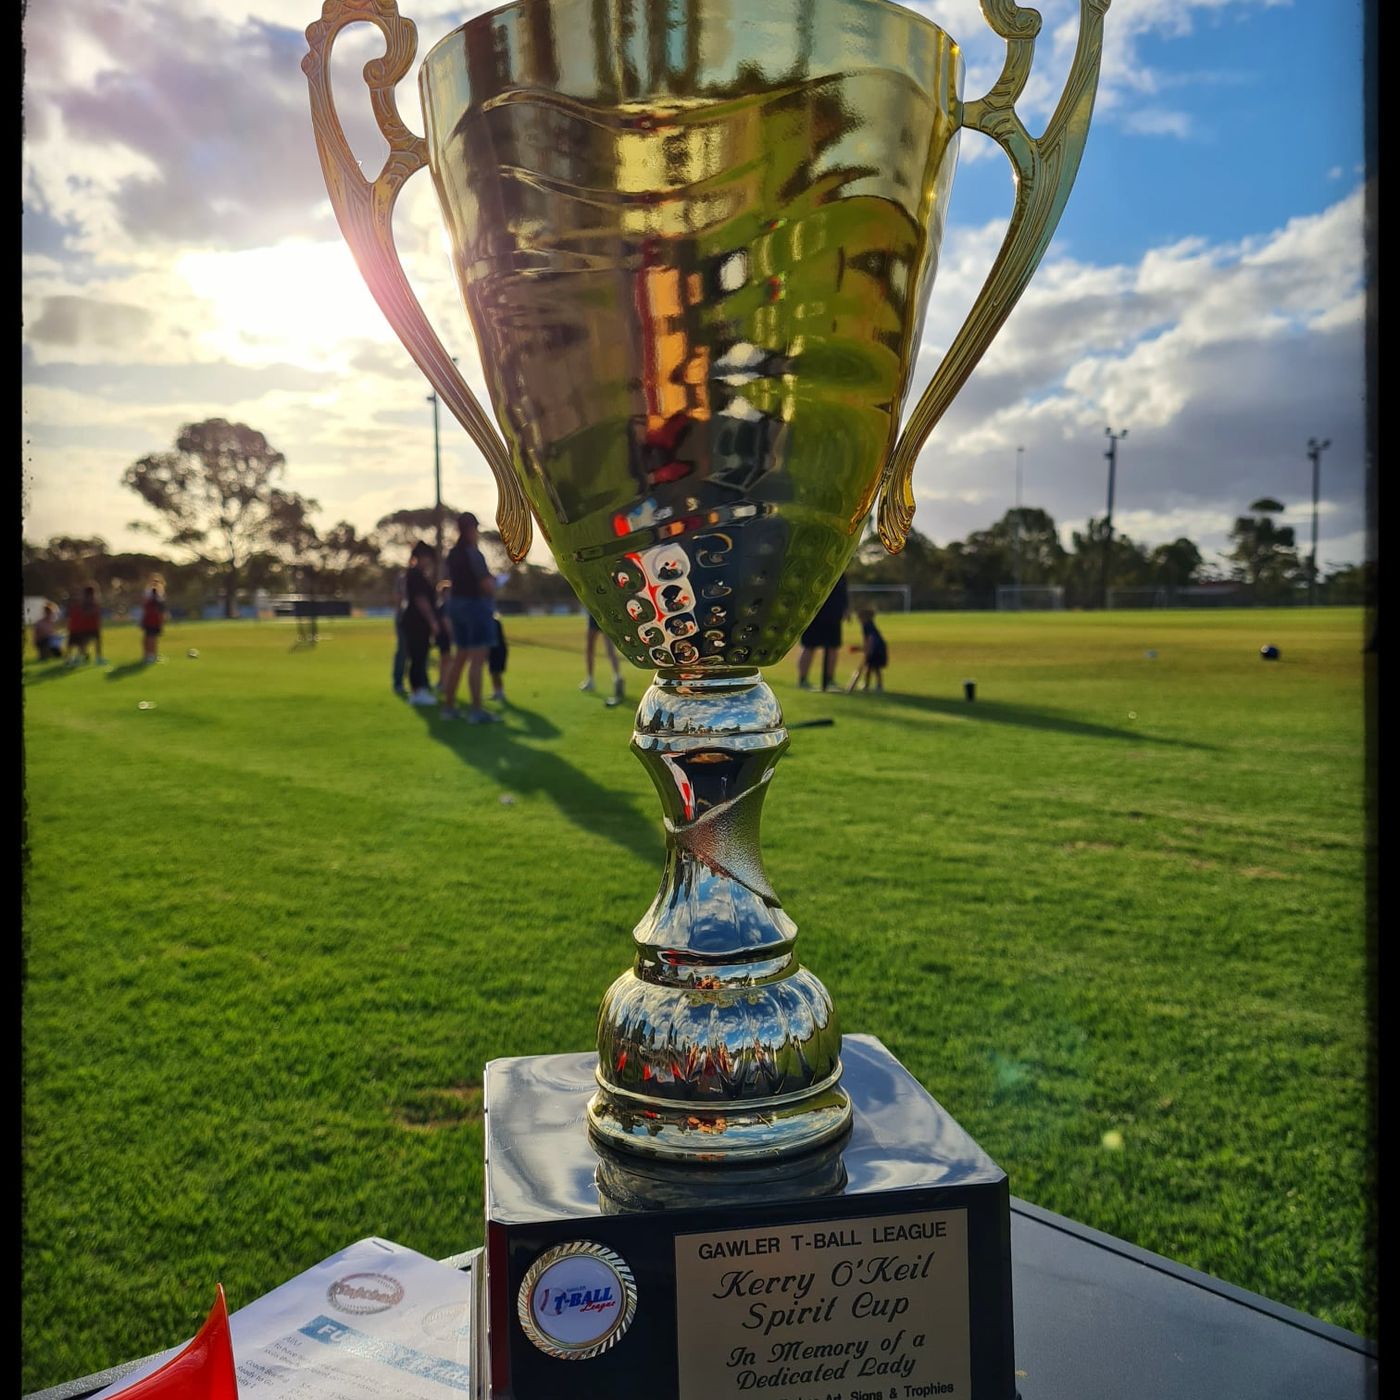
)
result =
(437, 485)
(437, 482)
(1315, 450)
(1112, 454)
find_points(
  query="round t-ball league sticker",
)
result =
(576, 1300)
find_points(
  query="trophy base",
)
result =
(879, 1260)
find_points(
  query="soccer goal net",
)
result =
(1138, 598)
(1026, 597)
(883, 597)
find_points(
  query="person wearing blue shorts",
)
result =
(471, 615)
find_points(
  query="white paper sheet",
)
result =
(374, 1320)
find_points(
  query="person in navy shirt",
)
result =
(471, 611)
(420, 620)
(876, 655)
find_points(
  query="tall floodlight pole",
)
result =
(437, 483)
(1315, 451)
(1112, 454)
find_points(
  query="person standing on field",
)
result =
(471, 612)
(152, 623)
(590, 649)
(420, 620)
(85, 627)
(824, 634)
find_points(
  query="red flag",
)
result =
(203, 1371)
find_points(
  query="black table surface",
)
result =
(1096, 1317)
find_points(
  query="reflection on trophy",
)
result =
(696, 239)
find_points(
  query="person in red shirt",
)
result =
(152, 623)
(85, 627)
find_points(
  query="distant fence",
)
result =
(1016, 597)
(1208, 595)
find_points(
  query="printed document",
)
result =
(374, 1320)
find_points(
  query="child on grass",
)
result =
(48, 640)
(496, 660)
(876, 655)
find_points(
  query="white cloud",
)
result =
(1158, 121)
(1223, 359)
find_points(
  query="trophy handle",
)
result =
(364, 210)
(1044, 171)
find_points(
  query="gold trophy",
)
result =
(696, 240)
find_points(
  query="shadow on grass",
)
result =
(998, 712)
(36, 672)
(573, 648)
(498, 752)
(130, 668)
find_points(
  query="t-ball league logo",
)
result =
(553, 1302)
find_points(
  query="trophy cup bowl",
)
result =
(696, 242)
(696, 239)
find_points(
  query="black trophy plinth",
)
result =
(882, 1263)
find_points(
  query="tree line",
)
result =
(1025, 547)
(229, 528)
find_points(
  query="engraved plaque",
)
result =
(864, 1306)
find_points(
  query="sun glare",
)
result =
(298, 302)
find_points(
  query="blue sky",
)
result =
(1259, 119)
(1204, 290)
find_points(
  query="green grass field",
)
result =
(1111, 915)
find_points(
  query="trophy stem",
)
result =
(716, 1045)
